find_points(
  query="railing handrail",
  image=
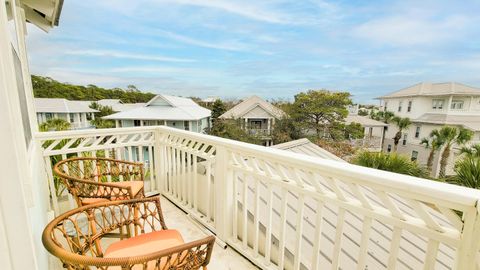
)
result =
(432, 189)
(429, 188)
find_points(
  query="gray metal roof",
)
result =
(164, 107)
(434, 89)
(306, 147)
(249, 104)
(61, 105)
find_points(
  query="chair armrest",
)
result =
(92, 189)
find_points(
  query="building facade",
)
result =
(165, 110)
(431, 106)
(257, 117)
(77, 113)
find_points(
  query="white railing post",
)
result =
(160, 161)
(224, 197)
(466, 252)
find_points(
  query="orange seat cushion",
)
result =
(144, 244)
(88, 201)
(136, 186)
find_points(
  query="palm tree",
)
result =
(55, 124)
(467, 172)
(451, 135)
(434, 142)
(392, 162)
(472, 151)
(402, 124)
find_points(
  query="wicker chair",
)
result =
(92, 180)
(78, 238)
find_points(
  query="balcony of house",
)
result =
(259, 126)
(368, 143)
(275, 209)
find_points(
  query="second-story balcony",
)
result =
(276, 209)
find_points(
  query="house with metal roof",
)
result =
(431, 106)
(172, 111)
(257, 117)
(77, 113)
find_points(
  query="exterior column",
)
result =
(269, 125)
(449, 103)
(246, 123)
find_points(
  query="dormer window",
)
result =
(437, 104)
(456, 105)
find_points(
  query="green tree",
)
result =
(320, 110)
(218, 108)
(55, 124)
(471, 151)
(467, 172)
(285, 130)
(391, 162)
(45, 87)
(402, 124)
(434, 142)
(452, 135)
(230, 129)
(98, 122)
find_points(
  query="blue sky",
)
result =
(271, 48)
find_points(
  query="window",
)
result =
(456, 105)
(186, 125)
(386, 106)
(409, 108)
(404, 142)
(80, 117)
(389, 148)
(437, 104)
(414, 156)
(417, 132)
(400, 106)
(72, 117)
(136, 123)
(89, 116)
(48, 116)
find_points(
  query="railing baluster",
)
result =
(299, 233)
(318, 234)
(256, 222)
(338, 238)
(268, 236)
(283, 221)
(394, 247)
(245, 211)
(209, 197)
(362, 255)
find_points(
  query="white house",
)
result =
(257, 117)
(77, 113)
(167, 110)
(431, 106)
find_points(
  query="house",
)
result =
(172, 111)
(77, 113)
(431, 106)
(256, 116)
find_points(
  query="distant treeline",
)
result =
(45, 87)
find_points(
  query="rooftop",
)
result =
(164, 107)
(250, 104)
(61, 105)
(434, 89)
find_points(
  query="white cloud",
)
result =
(241, 8)
(119, 54)
(224, 45)
(411, 29)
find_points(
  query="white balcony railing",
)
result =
(286, 210)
